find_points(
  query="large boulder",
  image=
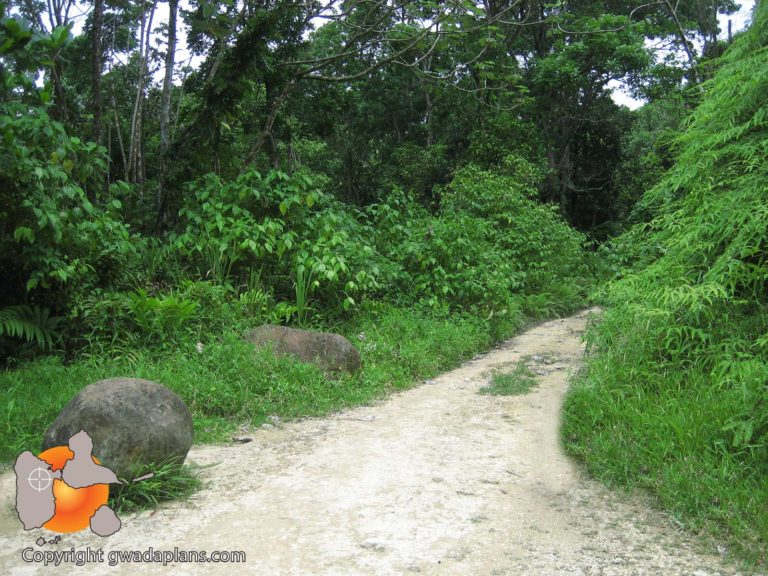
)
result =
(331, 352)
(131, 422)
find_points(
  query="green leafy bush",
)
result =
(160, 317)
(56, 244)
(51, 231)
(532, 238)
(431, 258)
(282, 224)
(489, 242)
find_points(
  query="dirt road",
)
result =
(438, 480)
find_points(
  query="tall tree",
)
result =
(135, 169)
(97, 67)
(165, 111)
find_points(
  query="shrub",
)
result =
(488, 242)
(532, 237)
(284, 225)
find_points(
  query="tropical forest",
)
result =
(428, 179)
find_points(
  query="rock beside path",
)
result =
(131, 422)
(331, 352)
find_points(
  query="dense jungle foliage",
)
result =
(423, 177)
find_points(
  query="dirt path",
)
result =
(438, 480)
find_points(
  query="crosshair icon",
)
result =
(39, 479)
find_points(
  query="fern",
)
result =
(161, 317)
(32, 323)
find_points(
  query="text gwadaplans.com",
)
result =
(90, 555)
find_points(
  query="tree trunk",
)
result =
(96, 68)
(135, 160)
(170, 61)
(120, 138)
(59, 110)
(165, 111)
(97, 60)
(266, 132)
(58, 15)
(428, 104)
(133, 136)
(565, 178)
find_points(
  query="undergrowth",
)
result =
(226, 383)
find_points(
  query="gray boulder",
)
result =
(131, 422)
(331, 352)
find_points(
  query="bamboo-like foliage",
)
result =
(677, 398)
(705, 254)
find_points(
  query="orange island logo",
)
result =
(65, 489)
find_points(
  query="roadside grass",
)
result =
(169, 481)
(636, 423)
(520, 381)
(228, 384)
